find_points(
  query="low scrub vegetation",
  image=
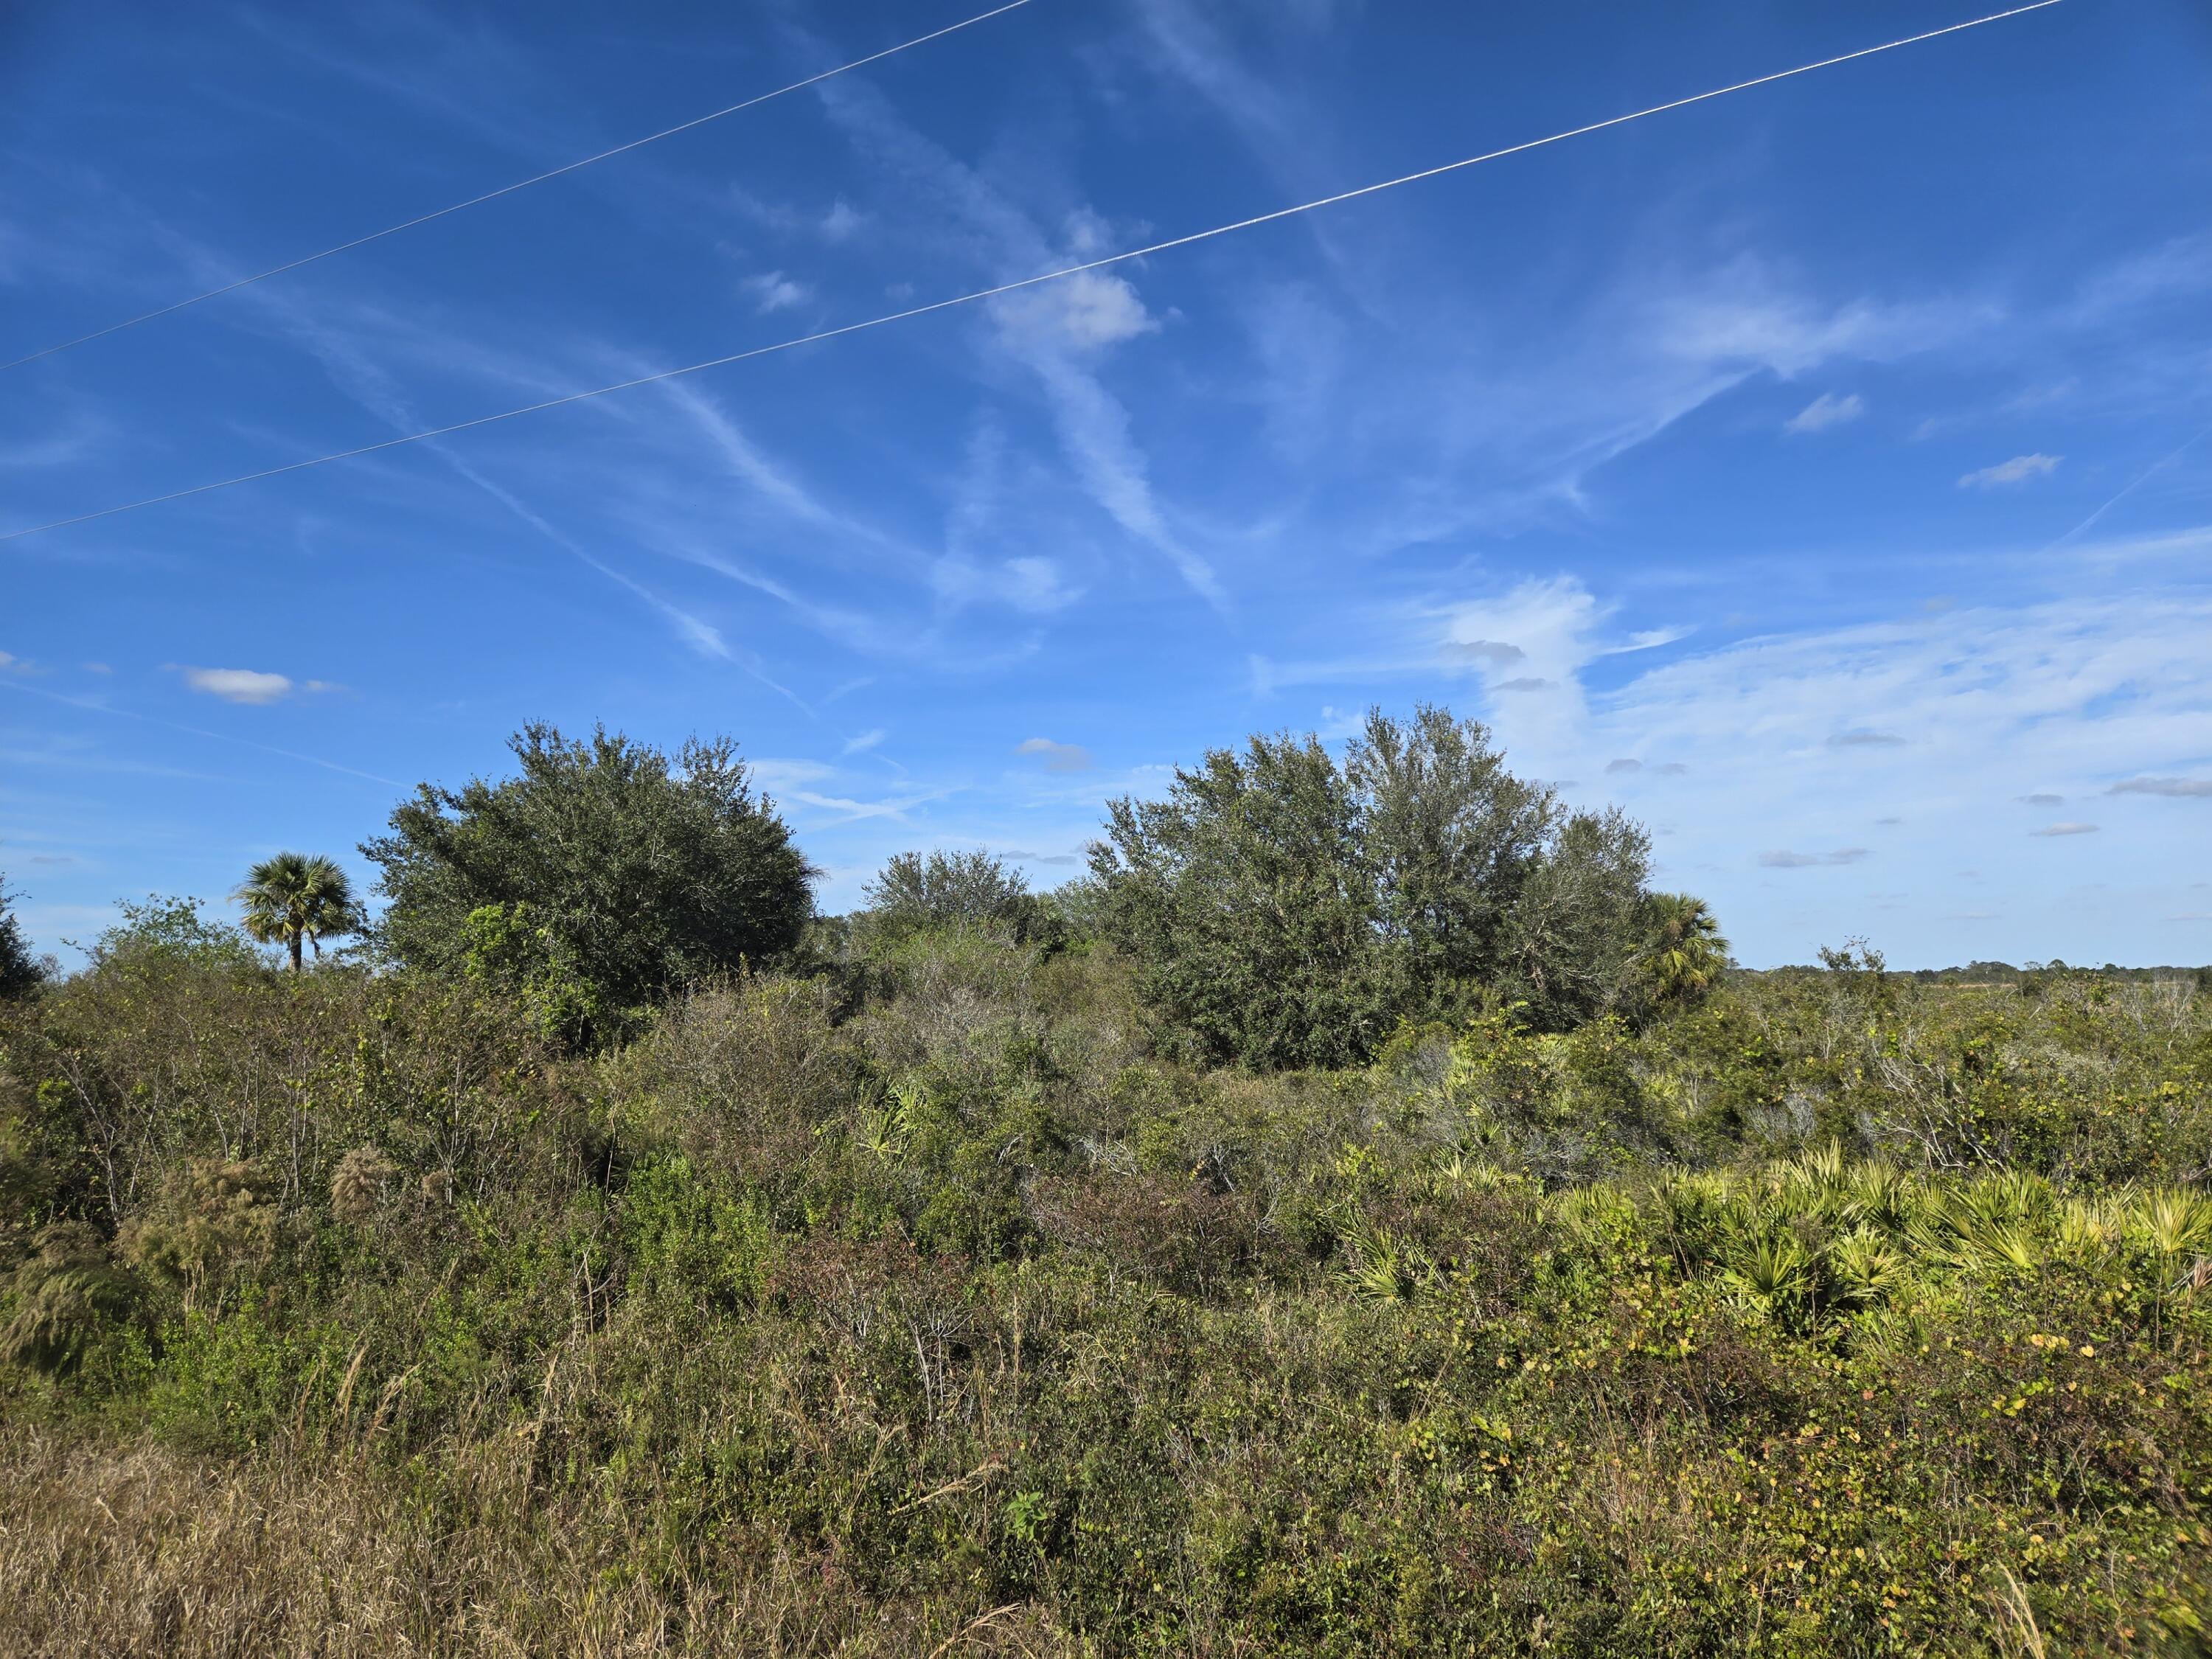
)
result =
(942, 1285)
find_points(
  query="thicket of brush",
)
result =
(928, 1305)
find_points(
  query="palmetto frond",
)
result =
(1865, 1265)
(2174, 1222)
(1991, 1225)
(1772, 1271)
(1383, 1267)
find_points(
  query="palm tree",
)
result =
(1685, 953)
(295, 897)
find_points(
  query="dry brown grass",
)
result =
(116, 1551)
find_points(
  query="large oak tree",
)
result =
(604, 876)
(1288, 910)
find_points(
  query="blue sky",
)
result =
(1809, 471)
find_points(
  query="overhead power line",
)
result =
(981, 293)
(520, 184)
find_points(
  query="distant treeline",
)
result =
(2031, 974)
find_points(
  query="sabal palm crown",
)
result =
(298, 896)
(1686, 953)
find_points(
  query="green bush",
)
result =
(603, 877)
(1287, 910)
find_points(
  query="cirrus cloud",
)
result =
(2019, 469)
(1826, 410)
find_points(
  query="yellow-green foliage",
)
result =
(204, 1225)
(940, 1307)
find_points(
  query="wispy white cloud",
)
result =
(1825, 411)
(850, 810)
(462, 71)
(2018, 470)
(1094, 430)
(779, 776)
(1031, 583)
(856, 629)
(99, 707)
(1190, 45)
(1611, 366)
(1057, 756)
(55, 447)
(775, 483)
(246, 685)
(1055, 335)
(2177, 270)
(2065, 828)
(1647, 638)
(772, 291)
(1742, 314)
(1087, 311)
(865, 742)
(346, 359)
(700, 635)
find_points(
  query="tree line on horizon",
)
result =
(1281, 907)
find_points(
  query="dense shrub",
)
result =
(917, 893)
(1286, 910)
(607, 874)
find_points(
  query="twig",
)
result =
(976, 1623)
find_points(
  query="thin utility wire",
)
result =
(1022, 283)
(520, 184)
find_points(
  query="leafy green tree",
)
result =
(164, 933)
(605, 875)
(1684, 955)
(295, 898)
(917, 892)
(1247, 904)
(21, 973)
(1571, 937)
(1289, 911)
(1453, 838)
